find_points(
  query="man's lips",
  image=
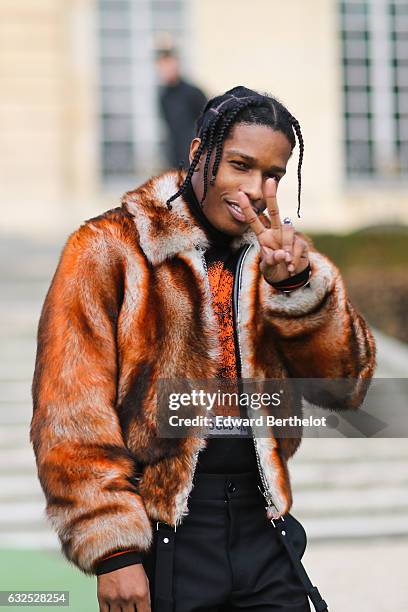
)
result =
(236, 211)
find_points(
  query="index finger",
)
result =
(248, 212)
(272, 204)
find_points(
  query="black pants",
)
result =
(227, 555)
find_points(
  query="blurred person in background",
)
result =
(195, 276)
(181, 103)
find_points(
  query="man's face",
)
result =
(168, 69)
(251, 154)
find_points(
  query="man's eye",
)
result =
(240, 164)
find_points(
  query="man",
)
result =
(195, 276)
(181, 103)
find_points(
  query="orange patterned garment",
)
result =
(221, 264)
(221, 282)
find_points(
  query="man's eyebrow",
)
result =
(251, 159)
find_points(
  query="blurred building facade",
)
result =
(78, 109)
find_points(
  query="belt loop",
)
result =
(159, 522)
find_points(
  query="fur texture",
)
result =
(129, 304)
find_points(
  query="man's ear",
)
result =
(195, 143)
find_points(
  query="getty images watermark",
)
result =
(283, 408)
(210, 401)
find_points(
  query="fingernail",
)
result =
(291, 267)
(288, 256)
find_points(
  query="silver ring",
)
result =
(287, 221)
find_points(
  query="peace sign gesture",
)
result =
(283, 254)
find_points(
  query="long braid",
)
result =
(296, 127)
(191, 169)
(220, 138)
(208, 158)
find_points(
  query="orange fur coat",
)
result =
(130, 303)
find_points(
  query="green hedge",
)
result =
(374, 265)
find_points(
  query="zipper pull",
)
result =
(271, 510)
(267, 496)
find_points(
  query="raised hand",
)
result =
(283, 254)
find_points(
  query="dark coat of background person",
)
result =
(180, 104)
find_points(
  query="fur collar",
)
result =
(163, 233)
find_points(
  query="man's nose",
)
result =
(253, 189)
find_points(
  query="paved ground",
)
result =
(360, 575)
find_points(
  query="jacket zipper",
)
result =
(236, 315)
(235, 310)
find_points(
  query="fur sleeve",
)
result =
(85, 470)
(321, 335)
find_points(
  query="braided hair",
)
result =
(238, 105)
